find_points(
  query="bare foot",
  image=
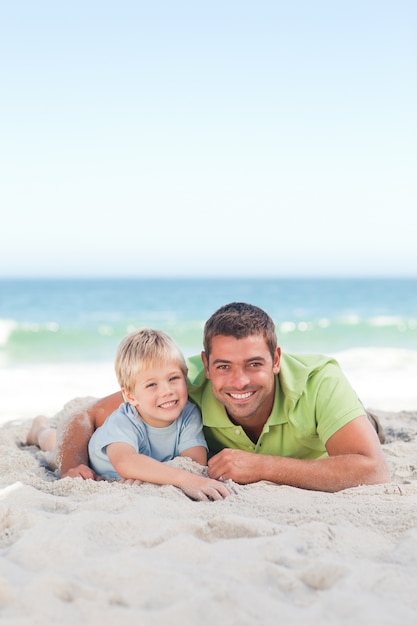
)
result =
(38, 424)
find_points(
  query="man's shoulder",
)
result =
(306, 361)
(197, 381)
(305, 365)
(196, 374)
(297, 371)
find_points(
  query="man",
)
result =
(292, 420)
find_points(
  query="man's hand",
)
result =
(81, 471)
(241, 467)
(354, 458)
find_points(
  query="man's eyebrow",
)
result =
(252, 358)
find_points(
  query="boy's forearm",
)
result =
(131, 465)
(141, 467)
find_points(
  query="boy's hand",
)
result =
(205, 489)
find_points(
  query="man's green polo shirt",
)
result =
(313, 399)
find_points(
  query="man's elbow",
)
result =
(385, 474)
(379, 473)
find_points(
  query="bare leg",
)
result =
(41, 434)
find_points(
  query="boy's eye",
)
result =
(150, 385)
(173, 378)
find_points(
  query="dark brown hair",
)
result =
(240, 320)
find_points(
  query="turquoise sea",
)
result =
(58, 337)
(65, 321)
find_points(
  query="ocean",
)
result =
(66, 331)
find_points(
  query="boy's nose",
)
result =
(165, 388)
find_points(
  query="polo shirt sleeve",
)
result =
(336, 402)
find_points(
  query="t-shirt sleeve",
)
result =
(119, 429)
(116, 429)
(191, 432)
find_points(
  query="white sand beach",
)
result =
(161, 160)
(87, 552)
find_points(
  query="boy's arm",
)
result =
(131, 465)
(73, 440)
(197, 454)
(191, 435)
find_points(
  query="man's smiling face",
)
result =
(242, 374)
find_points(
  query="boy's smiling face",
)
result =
(160, 394)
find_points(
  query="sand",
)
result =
(84, 552)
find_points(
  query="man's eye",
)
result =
(256, 364)
(222, 367)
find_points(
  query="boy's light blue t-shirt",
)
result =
(163, 444)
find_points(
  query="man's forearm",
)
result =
(74, 435)
(355, 458)
(72, 443)
(327, 474)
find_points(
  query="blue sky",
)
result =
(222, 138)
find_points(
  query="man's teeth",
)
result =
(241, 396)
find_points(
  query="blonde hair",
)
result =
(143, 349)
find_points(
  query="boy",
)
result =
(155, 424)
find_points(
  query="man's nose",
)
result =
(240, 378)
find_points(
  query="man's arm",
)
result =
(73, 440)
(355, 458)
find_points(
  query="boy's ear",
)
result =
(128, 397)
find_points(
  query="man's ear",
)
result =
(277, 361)
(205, 363)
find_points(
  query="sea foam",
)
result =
(384, 378)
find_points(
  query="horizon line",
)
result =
(211, 277)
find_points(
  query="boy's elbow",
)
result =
(122, 468)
